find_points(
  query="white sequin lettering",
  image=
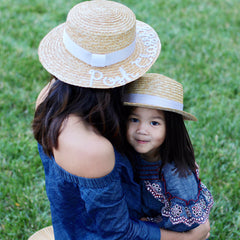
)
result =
(94, 76)
(123, 78)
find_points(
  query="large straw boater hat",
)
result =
(101, 45)
(156, 91)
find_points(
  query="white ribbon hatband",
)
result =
(97, 60)
(152, 100)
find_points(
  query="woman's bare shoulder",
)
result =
(83, 152)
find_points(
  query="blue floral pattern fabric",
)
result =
(173, 202)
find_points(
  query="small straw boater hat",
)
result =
(156, 91)
(101, 45)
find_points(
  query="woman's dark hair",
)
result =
(177, 147)
(101, 108)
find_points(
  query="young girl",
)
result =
(172, 193)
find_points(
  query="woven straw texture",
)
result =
(105, 36)
(100, 27)
(160, 86)
(43, 234)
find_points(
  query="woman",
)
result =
(89, 180)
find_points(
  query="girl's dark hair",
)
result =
(177, 147)
(102, 108)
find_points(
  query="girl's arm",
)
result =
(187, 202)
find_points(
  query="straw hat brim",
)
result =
(67, 68)
(186, 115)
(43, 234)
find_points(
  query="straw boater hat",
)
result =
(101, 45)
(156, 91)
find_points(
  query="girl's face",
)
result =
(146, 131)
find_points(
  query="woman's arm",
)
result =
(200, 233)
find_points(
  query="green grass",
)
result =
(200, 48)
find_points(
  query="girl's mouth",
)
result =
(141, 141)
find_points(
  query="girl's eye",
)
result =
(134, 120)
(154, 123)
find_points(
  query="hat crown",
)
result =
(157, 85)
(101, 27)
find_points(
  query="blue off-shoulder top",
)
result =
(173, 202)
(98, 208)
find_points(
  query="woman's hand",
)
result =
(202, 232)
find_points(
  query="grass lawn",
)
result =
(200, 48)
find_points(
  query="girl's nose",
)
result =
(142, 129)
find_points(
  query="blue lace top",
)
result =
(100, 208)
(173, 202)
